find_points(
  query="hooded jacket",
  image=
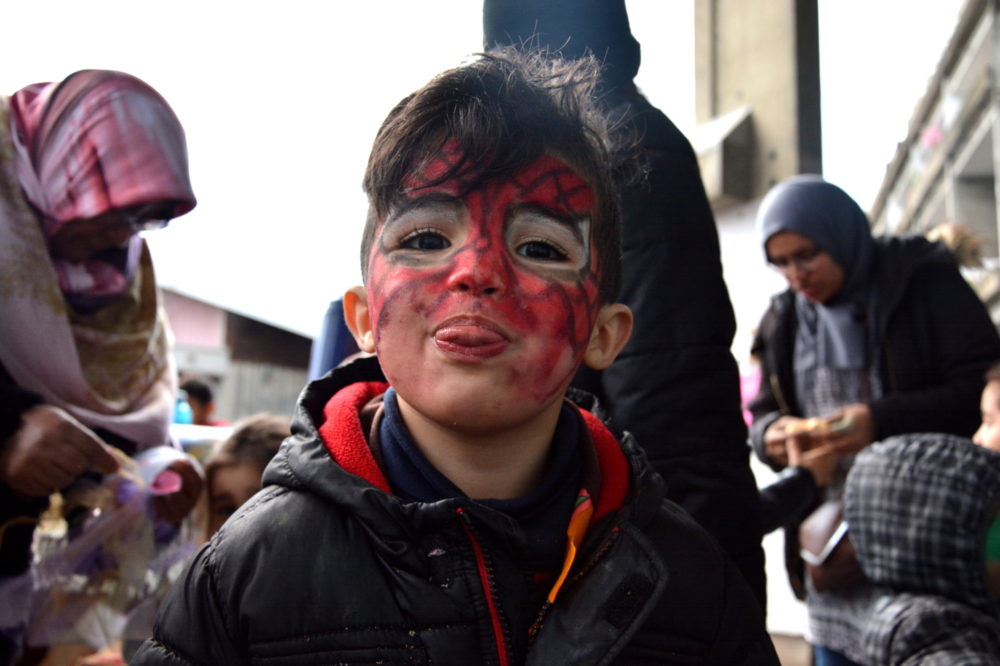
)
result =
(918, 507)
(326, 566)
(933, 337)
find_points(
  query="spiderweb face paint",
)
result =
(482, 301)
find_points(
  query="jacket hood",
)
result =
(574, 28)
(333, 461)
(918, 507)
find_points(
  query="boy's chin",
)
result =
(477, 416)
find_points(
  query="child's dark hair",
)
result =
(504, 109)
(254, 439)
(199, 390)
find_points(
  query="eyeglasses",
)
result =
(803, 260)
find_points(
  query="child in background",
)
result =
(201, 399)
(988, 436)
(233, 472)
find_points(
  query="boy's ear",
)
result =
(610, 333)
(358, 321)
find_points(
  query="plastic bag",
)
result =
(100, 554)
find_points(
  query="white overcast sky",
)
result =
(281, 101)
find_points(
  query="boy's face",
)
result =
(988, 435)
(482, 303)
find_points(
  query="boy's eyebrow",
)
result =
(574, 223)
(432, 199)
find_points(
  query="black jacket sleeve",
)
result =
(936, 352)
(771, 344)
(788, 499)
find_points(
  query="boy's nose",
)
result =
(481, 274)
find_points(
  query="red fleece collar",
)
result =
(342, 434)
(347, 443)
(614, 466)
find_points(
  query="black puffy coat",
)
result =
(323, 566)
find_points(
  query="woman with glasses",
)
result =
(873, 337)
(85, 164)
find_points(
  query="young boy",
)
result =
(464, 511)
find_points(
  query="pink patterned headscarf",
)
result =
(98, 141)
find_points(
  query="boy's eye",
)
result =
(425, 240)
(542, 250)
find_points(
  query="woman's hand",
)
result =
(852, 428)
(821, 461)
(49, 450)
(173, 507)
(778, 434)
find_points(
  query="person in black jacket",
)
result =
(444, 502)
(874, 337)
(675, 386)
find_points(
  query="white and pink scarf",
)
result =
(74, 150)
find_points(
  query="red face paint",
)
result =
(482, 302)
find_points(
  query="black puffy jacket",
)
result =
(324, 566)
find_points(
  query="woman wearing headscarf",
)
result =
(874, 337)
(85, 165)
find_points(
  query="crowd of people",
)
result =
(537, 453)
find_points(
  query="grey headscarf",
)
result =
(826, 215)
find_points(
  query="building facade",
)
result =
(252, 366)
(944, 171)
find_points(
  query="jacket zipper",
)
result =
(488, 581)
(543, 613)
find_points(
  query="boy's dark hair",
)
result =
(254, 439)
(199, 390)
(993, 374)
(504, 109)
